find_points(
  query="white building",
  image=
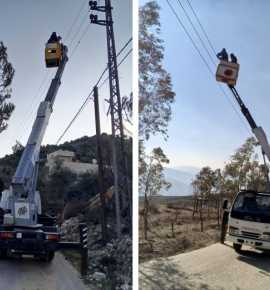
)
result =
(67, 160)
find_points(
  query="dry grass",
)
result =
(186, 236)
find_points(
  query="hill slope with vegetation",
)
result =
(54, 190)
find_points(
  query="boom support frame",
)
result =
(23, 186)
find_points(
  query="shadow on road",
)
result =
(260, 260)
(25, 261)
(166, 275)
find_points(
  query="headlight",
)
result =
(265, 236)
(233, 230)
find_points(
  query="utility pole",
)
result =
(121, 184)
(100, 168)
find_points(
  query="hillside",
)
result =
(56, 189)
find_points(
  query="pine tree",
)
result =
(6, 76)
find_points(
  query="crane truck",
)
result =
(249, 214)
(24, 230)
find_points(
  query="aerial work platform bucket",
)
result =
(53, 54)
(227, 72)
(53, 51)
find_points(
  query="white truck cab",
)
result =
(249, 220)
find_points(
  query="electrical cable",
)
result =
(122, 60)
(66, 36)
(214, 52)
(79, 42)
(202, 28)
(206, 63)
(23, 125)
(78, 30)
(91, 92)
(197, 33)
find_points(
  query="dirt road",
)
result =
(28, 274)
(216, 267)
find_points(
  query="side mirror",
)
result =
(225, 204)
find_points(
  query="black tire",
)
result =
(3, 254)
(237, 247)
(48, 257)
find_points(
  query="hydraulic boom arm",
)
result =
(25, 178)
(258, 131)
(227, 72)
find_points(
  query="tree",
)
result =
(55, 186)
(203, 185)
(155, 87)
(174, 220)
(6, 76)
(18, 147)
(127, 107)
(152, 180)
(205, 181)
(218, 191)
(243, 171)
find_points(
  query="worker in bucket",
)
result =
(233, 58)
(223, 55)
(54, 38)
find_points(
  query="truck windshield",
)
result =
(252, 206)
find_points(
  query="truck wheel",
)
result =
(3, 254)
(47, 257)
(50, 256)
(237, 247)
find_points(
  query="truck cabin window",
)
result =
(252, 206)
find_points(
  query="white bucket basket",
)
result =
(227, 72)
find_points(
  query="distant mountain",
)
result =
(180, 179)
(190, 169)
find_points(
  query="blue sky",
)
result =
(205, 130)
(25, 27)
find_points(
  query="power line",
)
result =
(214, 52)
(202, 28)
(206, 63)
(35, 99)
(23, 125)
(89, 97)
(78, 30)
(189, 36)
(75, 117)
(74, 21)
(91, 92)
(197, 33)
(124, 47)
(79, 42)
(122, 60)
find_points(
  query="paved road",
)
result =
(216, 267)
(28, 274)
